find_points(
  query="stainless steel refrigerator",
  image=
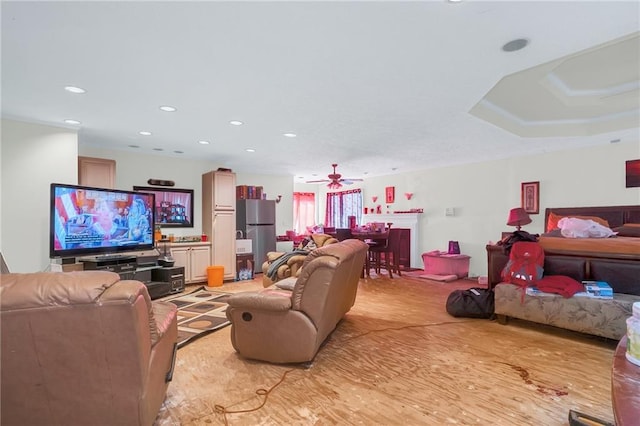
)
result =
(257, 221)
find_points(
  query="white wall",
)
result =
(481, 194)
(33, 157)
(134, 169)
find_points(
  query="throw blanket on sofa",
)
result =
(277, 263)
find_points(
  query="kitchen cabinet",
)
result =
(219, 219)
(96, 172)
(224, 191)
(224, 242)
(195, 258)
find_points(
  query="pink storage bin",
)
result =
(436, 263)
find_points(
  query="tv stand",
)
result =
(112, 257)
(114, 263)
(165, 280)
(160, 281)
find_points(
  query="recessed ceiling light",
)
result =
(145, 133)
(74, 89)
(70, 121)
(158, 149)
(203, 142)
(250, 150)
(517, 44)
(615, 140)
(236, 123)
(290, 135)
(179, 152)
(134, 146)
(168, 108)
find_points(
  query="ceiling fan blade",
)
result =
(336, 178)
(350, 181)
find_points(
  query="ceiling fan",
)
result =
(335, 179)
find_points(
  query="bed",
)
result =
(623, 219)
(615, 260)
(616, 216)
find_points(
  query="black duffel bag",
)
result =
(475, 302)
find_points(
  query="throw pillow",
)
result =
(286, 284)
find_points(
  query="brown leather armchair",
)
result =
(289, 321)
(289, 264)
(83, 348)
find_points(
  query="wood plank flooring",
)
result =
(398, 358)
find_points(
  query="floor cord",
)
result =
(220, 409)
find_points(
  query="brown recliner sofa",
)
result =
(288, 321)
(288, 264)
(83, 348)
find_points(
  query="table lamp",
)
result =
(518, 217)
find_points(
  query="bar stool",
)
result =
(392, 253)
(377, 250)
(388, 256)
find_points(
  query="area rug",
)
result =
(199, 313)
(419, 273)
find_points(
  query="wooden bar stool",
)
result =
(387, 255)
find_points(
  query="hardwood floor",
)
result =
(398, 358)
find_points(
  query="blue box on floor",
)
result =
(244, 266)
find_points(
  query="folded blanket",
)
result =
(272, 271)
(559, 284)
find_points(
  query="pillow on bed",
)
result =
(552, 221)
(628, 230)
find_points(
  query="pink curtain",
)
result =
(304, 207)
(341, 205)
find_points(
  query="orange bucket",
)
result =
(215, 276)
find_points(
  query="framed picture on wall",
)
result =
(390, 194)
(632, 173)
(530, 197)
(174, 207)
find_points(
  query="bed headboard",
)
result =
(615, 215)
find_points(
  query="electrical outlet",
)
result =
(450, 211)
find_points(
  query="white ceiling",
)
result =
(377, 87)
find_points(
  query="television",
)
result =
(88, 221)
(174, 207)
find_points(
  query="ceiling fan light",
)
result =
(334, 185)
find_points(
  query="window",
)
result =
(304, 208)
(341, 205)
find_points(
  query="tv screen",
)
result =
(86, 221)
(174, 207)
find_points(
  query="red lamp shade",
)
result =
(518, 217)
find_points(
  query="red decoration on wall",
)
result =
(390, 194)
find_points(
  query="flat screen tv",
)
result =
(95, 221)
(174, 207)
